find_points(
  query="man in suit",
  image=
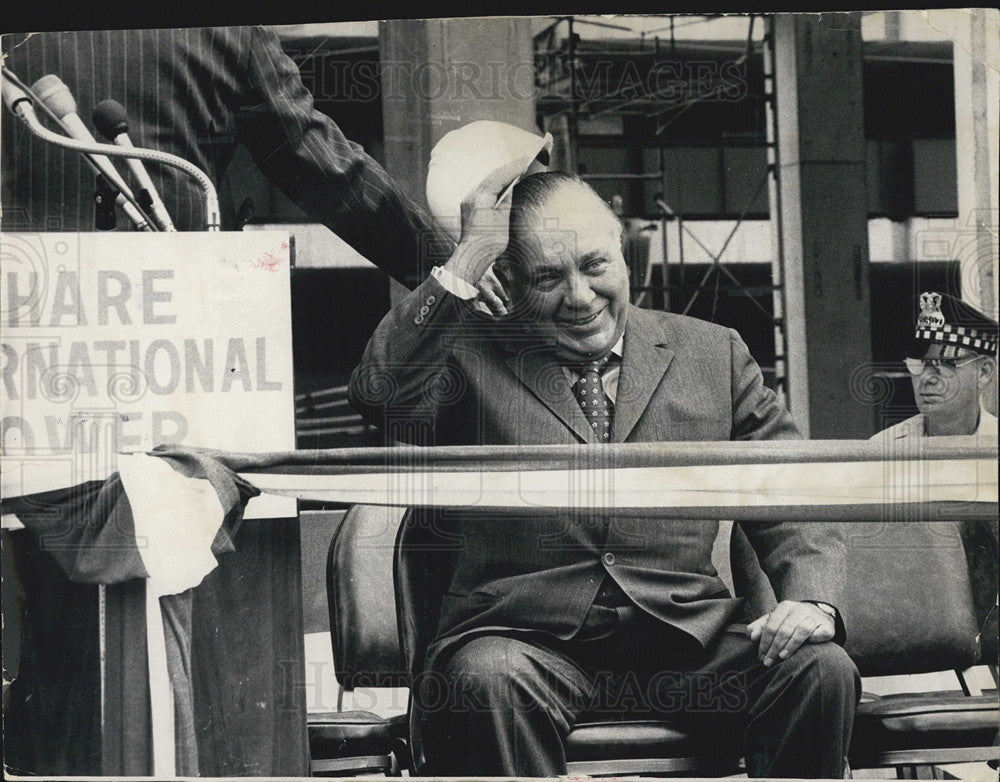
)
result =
(550, 616)
(199, 93)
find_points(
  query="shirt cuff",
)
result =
(454, 284)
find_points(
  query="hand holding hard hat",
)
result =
(480, 153)
(472, 172)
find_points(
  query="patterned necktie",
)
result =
(589, 392)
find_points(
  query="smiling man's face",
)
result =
(572, 276)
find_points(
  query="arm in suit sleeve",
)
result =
(303, 152)
(758, 414)
(408, 362)
(803, 561)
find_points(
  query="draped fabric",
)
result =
(89, 531)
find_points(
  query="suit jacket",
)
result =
(198, 93)
(437, 373)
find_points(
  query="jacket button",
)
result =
(424, 310)
(609, 559)
(419, 319)
(431, 299)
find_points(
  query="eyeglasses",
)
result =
(944, 366)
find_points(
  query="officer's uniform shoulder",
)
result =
(911, 427)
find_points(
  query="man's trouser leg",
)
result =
(509, 706)
(796, 716)
(511, 703)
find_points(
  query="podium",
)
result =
(119, 343)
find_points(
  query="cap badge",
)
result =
(930, 316)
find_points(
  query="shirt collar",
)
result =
(987, 424)
(618, 349)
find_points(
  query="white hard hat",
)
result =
(465, 157)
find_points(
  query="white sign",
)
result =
(116, 343)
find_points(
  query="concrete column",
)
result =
(977, 118)
(440, 74)
(824, 222)
(976, 35)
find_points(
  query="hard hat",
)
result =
(463, 158)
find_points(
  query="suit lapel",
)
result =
(643, 365)
(547, 381)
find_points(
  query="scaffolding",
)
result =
(613, 74)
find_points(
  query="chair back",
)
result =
(982, 553)
(907, 604)
(361, 597)
(427, 547)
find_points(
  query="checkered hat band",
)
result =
(957, 335)
(947, 328)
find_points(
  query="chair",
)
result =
(365, 648)
(425, 557)
(908, 609)
(980, 538)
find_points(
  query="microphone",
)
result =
(22, 106)
(51, 91)
(111, 121)
(59, 99)
(91, 147)
(16, 99)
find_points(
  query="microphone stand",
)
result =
(155, 156)
(104, 204)
(125, 200)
